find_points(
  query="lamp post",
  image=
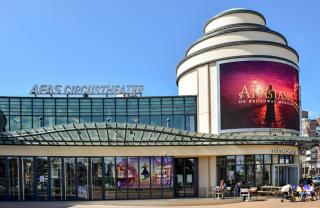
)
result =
(41, 121)
(168, 122)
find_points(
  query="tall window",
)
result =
(28, 176)
(230, 170)
(156, 177)
(144, 177)
(252, 170)
(96, 172)
(83, 178)
(56, 178)
(109, 178)
(13, 178)
(27, 113)
(167, 177)
(70, 178)
(42, 176)
(122, 180)
(133, 178)
(3, 179)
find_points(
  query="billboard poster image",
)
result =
(259, 94)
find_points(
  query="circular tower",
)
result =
(245, 76)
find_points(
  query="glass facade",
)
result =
(33, 112)
(186, 177)
(252, 170)
(85, 178)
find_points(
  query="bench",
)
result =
(248, 193)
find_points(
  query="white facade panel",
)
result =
(236, 18)
(236, 36)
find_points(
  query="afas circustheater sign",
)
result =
(108, 90)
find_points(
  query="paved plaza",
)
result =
(176, 203)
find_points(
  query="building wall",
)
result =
(177, 151)
(310, 161)
(232, 34)
(207, 155)
(204, 176)
(222, 19)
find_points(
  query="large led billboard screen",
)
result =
(259, 94)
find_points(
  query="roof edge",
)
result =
(234, 11)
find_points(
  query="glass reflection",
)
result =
(259, 175)
(13, 178)
(185, 177)
(70, 178)
(155, 177)
(267, 159)
(42, 175)
(250, 175)
(167, 180)
(189, 177)
(133, 178)
(82, 174)
(190, 123)
(144, 177)
(14, 122)
(252, 170)
(240, 170)
(96, 172)
(28, 174)
(230, 170)
(122, 183)
(109, 178)
(116, 177)
(56, 182)
(281, 159)
(26, 122)
(275, 159)
(25, 113)
(2, 179)
(267, 175)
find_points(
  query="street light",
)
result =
(168, 122)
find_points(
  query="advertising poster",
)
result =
(259, 94)
(121, 167)
(167, 172)
(156, 172)
(133, 172)
(144, 172)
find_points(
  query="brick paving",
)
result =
(270, 203)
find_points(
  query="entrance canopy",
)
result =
(125, 134)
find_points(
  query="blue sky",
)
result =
(133, 42)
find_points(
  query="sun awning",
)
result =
(125, 134)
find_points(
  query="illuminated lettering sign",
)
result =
(284, 151)
(109, 90)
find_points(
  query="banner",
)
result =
(259, 94)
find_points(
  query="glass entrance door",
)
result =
(56, 180)
(27, 180)
(42, 175)
(13, 178)
(96, 174)
(3, 180)
(185, 175)
(70, 178)
(82, 179)
(285, 174)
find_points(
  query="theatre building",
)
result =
(237, 118)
